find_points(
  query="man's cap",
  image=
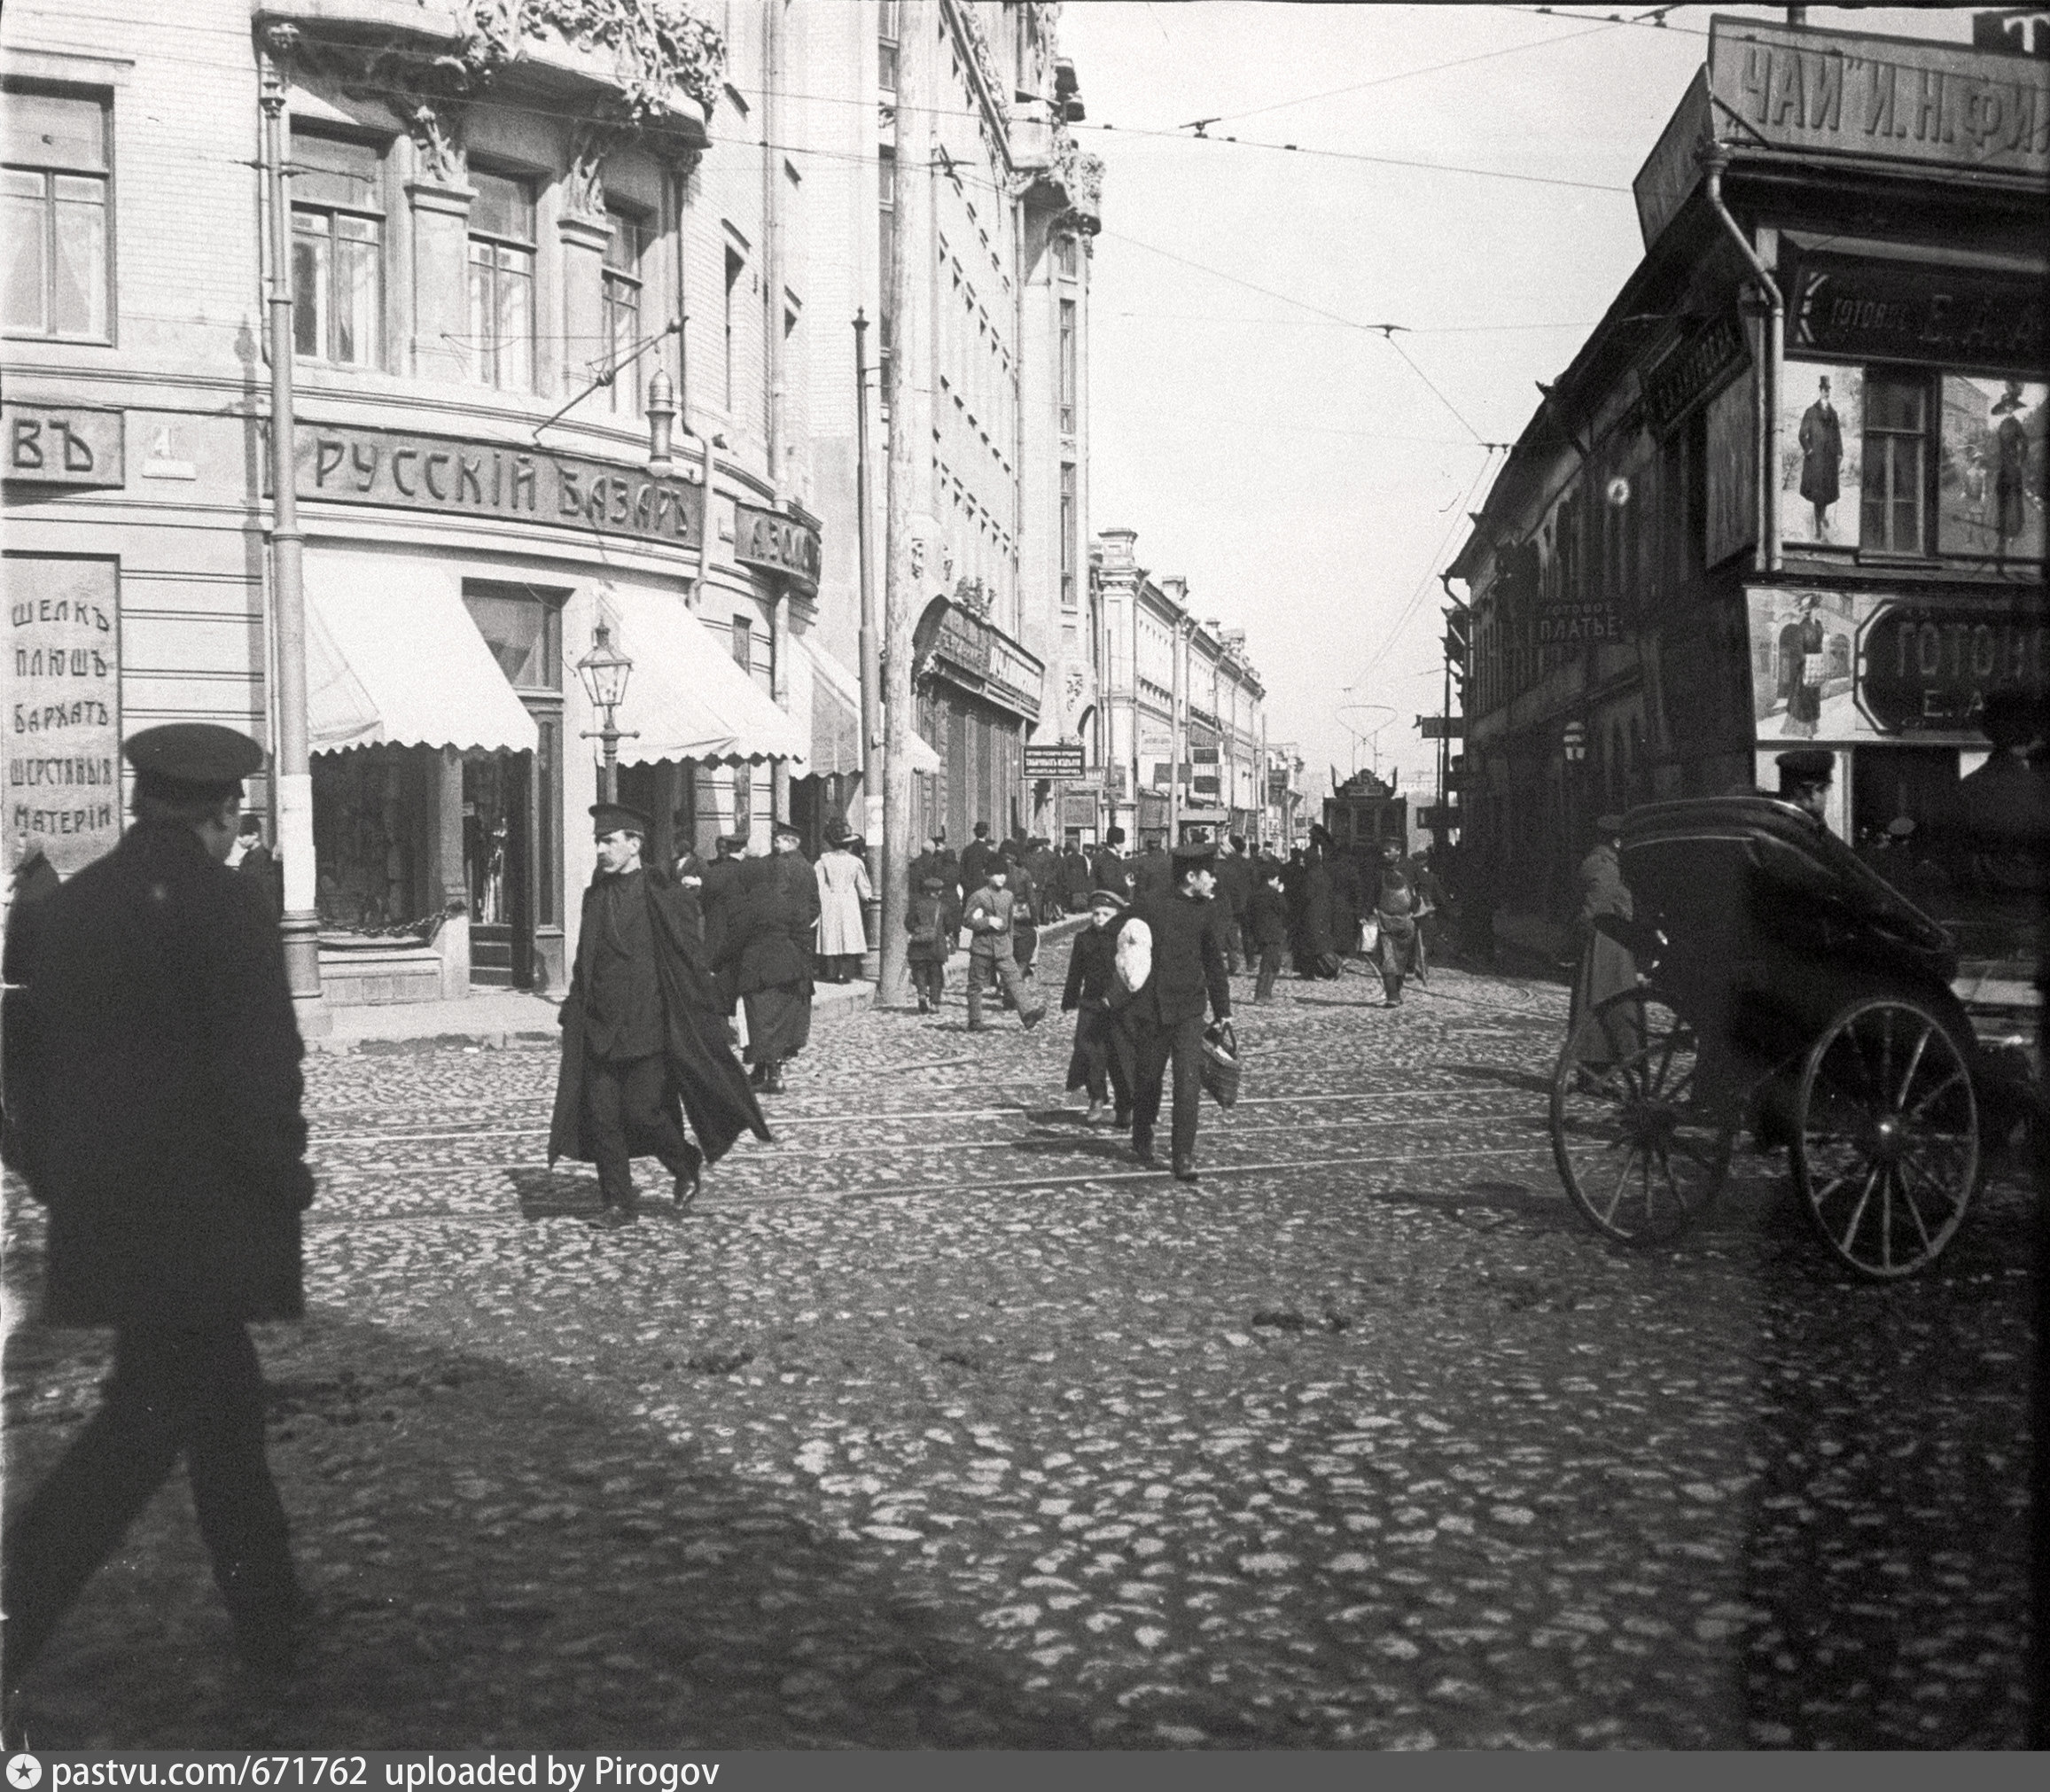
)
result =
(617, 818)
(192, 758)
(1900, 826)
(935, 883)
(1192, 853)
(1114, 837)
(250, 824)
(1807, 765)
(735, 841)
(1610, 824)
(1238, 843)
(1105, 899)
(938, 836)
(981, 829)
(783, 831)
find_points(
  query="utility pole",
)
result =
(290, 764)
(772, 18)
(871, 662)
(1175, 740)
(910, 438)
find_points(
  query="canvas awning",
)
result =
(392, 659)
(836, 713)
(923, 759)
(686, 698)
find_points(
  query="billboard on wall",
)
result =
(1854, 666)
(63, 706)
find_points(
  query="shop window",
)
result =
(337, 250)
(57, 167)
(622, 283)
(502, 260)
(1896, 463)
(523, 629)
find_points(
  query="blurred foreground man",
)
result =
(157, 1081)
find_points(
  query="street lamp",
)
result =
(604, 671)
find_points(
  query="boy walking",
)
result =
(990, 960)
(1266, 925)
(1102, 1060)
(929, 923)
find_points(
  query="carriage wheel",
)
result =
(1641, 1152)
(1887, 1152)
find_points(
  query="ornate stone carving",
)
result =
(1081, 175)
(436, 129)
(584, 183)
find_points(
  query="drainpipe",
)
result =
(772, 246)
(1765, 556)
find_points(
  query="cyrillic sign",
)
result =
(1854, 310)
(1057, 760)
(59, 445)
(776, 543)
(62, 675)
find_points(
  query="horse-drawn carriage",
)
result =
(1786, 988)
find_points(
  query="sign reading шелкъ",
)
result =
(496, 480)
(62, 682)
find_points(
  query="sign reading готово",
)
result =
(63, 706)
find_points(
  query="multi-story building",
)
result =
(1185, 748)
(1791, 490)
(529, 246)
(993, 359)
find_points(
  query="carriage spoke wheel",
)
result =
(1887, 1152)
(1640, 1150)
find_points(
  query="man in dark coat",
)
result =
(255, 861)
(1102, 1059)
(159, 1085)
(1235, 888)
(1163, 1019)
(768, 948)
(1821, 442)
(1042, 864)
(1317, 947)
(1350, 901)
(1267, 928)
(975, 859)
(1111, 870)
(715, 905)
(643, 1041)
(1607, 966)
(1153, 872)
(1075, 876)
(34, 879)
(938, 860)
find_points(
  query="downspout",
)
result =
(1765, 555)
(779, 638)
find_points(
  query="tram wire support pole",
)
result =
(290, 762)
(872, 767)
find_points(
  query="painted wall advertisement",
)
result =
(1858, 666)
(63, 706)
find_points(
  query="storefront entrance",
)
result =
(498, 839)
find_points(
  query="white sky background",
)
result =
(1302, 478)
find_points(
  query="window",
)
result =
(1068, 380)
(1896, 412)
(1068, 495)
(886, 262)
(523, 629)
(886, 46)
(56, 219)
(337, 250)
(502, 282)
(623, 278)
(1065, 256)
(736, 265)
(744, 644)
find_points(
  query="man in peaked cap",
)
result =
(643, 1034)
(156, 1072)
(1806, 776)
(768, 954)
(1163, 1019)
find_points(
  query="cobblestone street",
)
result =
(939, 1422)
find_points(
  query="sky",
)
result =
(1309, 475)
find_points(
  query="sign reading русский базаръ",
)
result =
(499, 480)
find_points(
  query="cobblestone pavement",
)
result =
(940, 1422)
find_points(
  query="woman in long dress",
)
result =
(843, 888)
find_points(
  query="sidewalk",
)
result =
(492, 1019)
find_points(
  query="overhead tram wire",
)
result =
(1430, 572)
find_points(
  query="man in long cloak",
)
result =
(643, 1036)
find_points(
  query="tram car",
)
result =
(1361, 813)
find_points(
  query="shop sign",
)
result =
(776, 543)
(1700, 364)
(1850, 94)
(1672, 170)
(991, 663)
(1930, 668)
(1576, 622)
(1058, 759)
(63, 706)
(455, 477)
(1858, 311)
(57, 445)
(1847, 666)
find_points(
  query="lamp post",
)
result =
(604, 671)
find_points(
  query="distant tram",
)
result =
(1363, 811)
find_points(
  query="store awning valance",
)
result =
(392, 659)
(686, 698)
(923, 759)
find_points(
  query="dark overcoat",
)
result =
(1189, 967)
(769, 936)
(705, 1080)
(159, 1081)
(715, 900)
(36, 879)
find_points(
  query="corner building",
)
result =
(1720, 536)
